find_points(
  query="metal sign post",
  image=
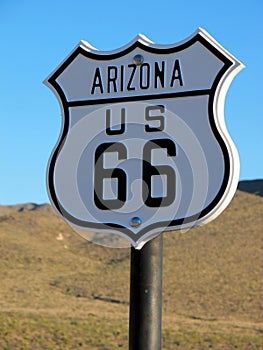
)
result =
(146, 296)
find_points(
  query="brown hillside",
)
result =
(58, 291)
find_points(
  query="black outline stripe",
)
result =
(139, 98)
(210, 92)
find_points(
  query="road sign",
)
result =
(143, 146)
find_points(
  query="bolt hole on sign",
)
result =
(143, 146)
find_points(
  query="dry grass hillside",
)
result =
(58, 291)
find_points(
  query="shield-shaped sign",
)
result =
(143, 146)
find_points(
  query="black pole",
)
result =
(146, 296)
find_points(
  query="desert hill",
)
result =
(251, 186)
(5, 209)
(58, 291)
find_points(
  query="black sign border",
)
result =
(174, 224)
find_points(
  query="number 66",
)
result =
(148, 171)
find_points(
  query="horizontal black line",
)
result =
(138, 98)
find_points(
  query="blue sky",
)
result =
(37, 35)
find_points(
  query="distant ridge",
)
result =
(5, 209)
(249, 186)
(252, 186)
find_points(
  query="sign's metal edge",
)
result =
(232, 65)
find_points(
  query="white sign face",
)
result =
(143, 146)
